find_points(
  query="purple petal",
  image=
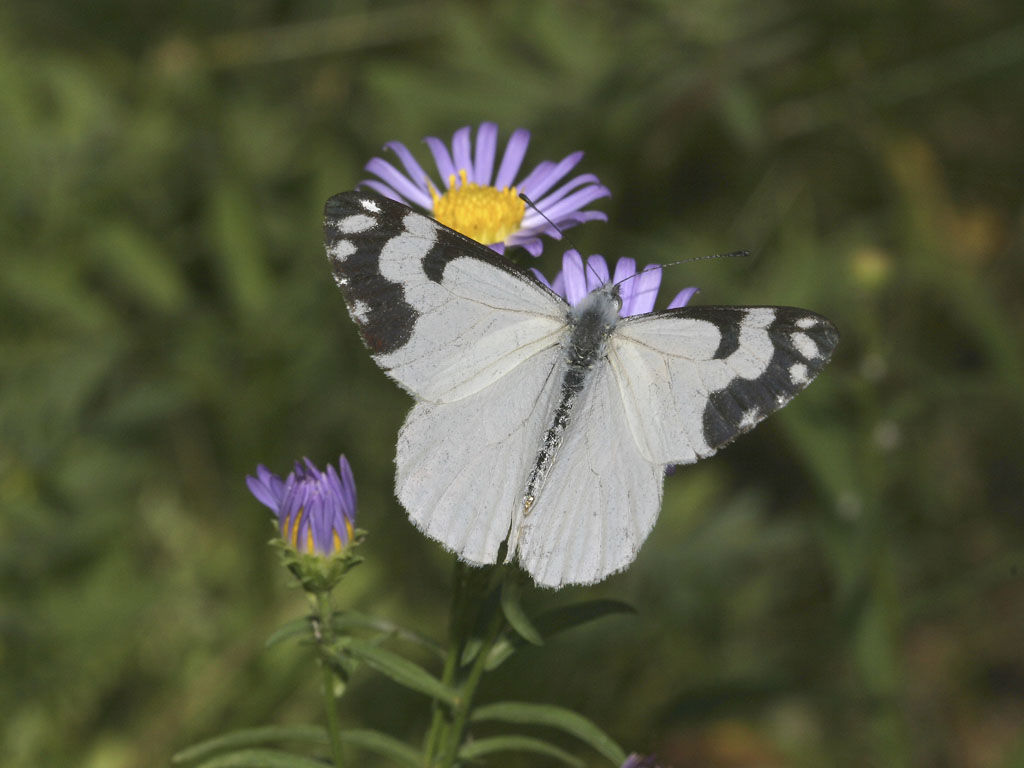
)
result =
(625, 269)
(558, 284)
(565, 189)
(461, 152)
(483, 158)
(541, 185)
(348, 483)
(294, 499)
(581, 216)
(648, 281)
(384, 189)
(575, 280)
(515, 151)
(538, 174)
(540, 276)
(576, 201)
(266, 487)
(442, 159)
(393, 177)
(417, 175)
(533, 246)
(526, 240)
(683, 297)
(597, 272)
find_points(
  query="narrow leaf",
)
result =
(480, 747)
(563, 719)
(512, 607)
(383, 744)
(246, 737)
(292, 629)
(400, 669)
(346, 620)
(557, 620)
(260, 758)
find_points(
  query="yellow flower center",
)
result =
(486, 214)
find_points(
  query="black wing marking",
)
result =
(358, 225)
(802, 343)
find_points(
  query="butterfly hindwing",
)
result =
(461, 465)
(443, 315)
(600, 500)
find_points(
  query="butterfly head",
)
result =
(593, 319)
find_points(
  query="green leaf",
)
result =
(261, 758)
(557, 620)
(245, 737)
(346, 620)
(399, 669)
(289, 630)
(563, 719)
(480, 747)
(470, 650)
(512, 607)
(383, 744)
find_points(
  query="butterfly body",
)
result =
(538, 425)
(590, 324)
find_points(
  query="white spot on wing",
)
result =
(350, 225)
(360, 311)
(798, 374)
(805, 345)
(370, 205)
(806, 322)
(341, 250)
(749, 418)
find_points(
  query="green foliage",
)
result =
(839, 588)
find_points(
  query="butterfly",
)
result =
(539, 429)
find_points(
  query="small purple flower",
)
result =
(315, 510)
(640, 761)
(637, 289)
(485, 205)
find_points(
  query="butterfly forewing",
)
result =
(442, 314)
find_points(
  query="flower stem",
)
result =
(460, 712)
(324, 632)
(456, 641)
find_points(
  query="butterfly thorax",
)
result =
(591, 322)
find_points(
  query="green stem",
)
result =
(325, 639)
(460, 712)
(456, 642)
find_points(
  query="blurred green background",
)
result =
(842, 587)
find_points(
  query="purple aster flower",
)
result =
(315, 510)
(484, 204)
(640, 761)
(637, 289)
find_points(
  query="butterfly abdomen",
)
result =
(591, 322)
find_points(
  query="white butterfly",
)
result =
(541, 426)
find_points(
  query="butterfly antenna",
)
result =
(650, 267)
(730, 255)
(586, 262)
